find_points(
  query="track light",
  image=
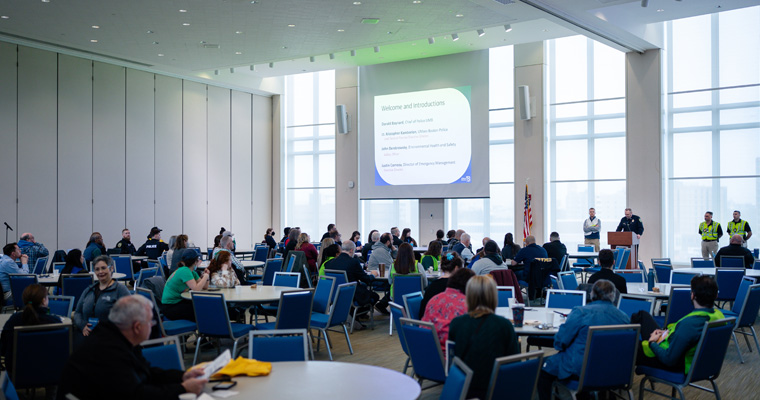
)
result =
(216, 72)
(377, 49)
(232, 70)
(332, 56)
(252, 67)
(271, 65)
(644, 3)
(454, 37)
(311, 59)
(507, 28)
(481, 32)
(431, 40)
(353, 53)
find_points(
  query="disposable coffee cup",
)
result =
(518, 315)
(511, 302)
(381, 267)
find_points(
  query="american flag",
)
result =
(528, 215)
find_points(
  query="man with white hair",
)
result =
(464, 247)
(110, 364)
(346, 261)
(526, 255)
(31, 248)
(226, 244)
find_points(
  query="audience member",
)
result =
(224, 233)
(74, 262)
(175, 252)
(31, 248)
(221, 272)
(372, 238)
(345, 261)
(96, 301)
(382, 252)
(291, 242)
(451, 239)
(330, 229)
(555, 249)
(183, 279)
(491, 261)
(396, 239)
(439, 236)
(449, 304)
(320, 256)
(356, 238)
(125, 245)
(450, 263)
(481, 336)
(406, 237)
(309, 251)
(285, 234)
(432, 257)
(154, 246)
(110, 364)
(735, 248)
(226, 245)
(510, 249)
(464, 247)
(328, 255)
(405, 264)
(570, 340)
(526, 255)
(8, 266)
(606, 262)
(95, 247)
(269, 239)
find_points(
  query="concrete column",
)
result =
(347, 153)
(643, 86)
(278, 191)
(530, 69)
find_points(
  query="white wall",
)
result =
(90, 146)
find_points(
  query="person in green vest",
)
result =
(328, 254)
(405, 264)
(673, 348)
(711, 232)
(737, 226)
(432, 257)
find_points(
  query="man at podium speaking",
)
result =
(631, 223)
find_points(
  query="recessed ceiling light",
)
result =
(155, 42)
(4, 16)
(46, 1)
(95, 27)
(546, 30)
(414, 44)
(238, 32)
(284, 47)
(203, 42)
(149, 32)
(459, 15)
(254, 2)
(660, 10)
(185, 24)
(400, 20)
(417, 2)
(481, 32)
(291, 25)
(160, 54)
(454, 37)
(93, 40)
(357, 3)
(341, 30)
(238, 52)
(182, 11)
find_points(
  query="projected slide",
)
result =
(423, 138)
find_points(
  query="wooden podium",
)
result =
(626, 239)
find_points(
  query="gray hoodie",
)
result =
(381, 254)
(88, 307)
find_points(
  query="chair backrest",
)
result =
(662, 272)
(505, 293)
(564, 265)
(156, 312)
(632, 304)
(398, 312)
(699, 262)
(294, 311)
(622, 259)
(61, 306)
(565, 298)
(290, 279)
(19, 282)
(51, 343)
(515, 377)
(732, 261)
(144, 274)
(728, 280)
(39, 266)
(741, 294)
(412, 303)
(272, 265)
(757, 264)
(597, 372)
(585, 248)
(124, 266)
(261, 253)
(58, 266)
(344, 298)
(457, 382)
(291, 264)
(632, 275)
(555, 282)
(682, 277)
(211, 314)
(405, 284)
(750, 307)
(711, 350)
(7, 390)
(679, 304)
(278, 345)
(662, 260)
(340, 276)
(568, 281)
(323, 294)
(74, 285)
(424, 349)
(164, 353)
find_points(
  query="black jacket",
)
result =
(736, 250)
(610, 275)
(631, 225)
(107, 366)
(152, 248)
(354, 273)
(556, 250)
(126, 247)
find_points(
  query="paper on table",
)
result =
(223, 394)
(219, 363)
(205, 396)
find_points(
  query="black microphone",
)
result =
(8, 226)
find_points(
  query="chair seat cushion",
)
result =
(266, 327)
(670, 376)
(179, 326)
(730, 314)
(319, 320)
(239, 330)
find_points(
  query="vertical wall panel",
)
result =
(241, 170)
(8, 137)
(219, 162)
(194, 163)
(108, 156)
(140, 154)
(74, 151)
(37, 144)
(262, 166)
(168, 157)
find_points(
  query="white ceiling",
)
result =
(137, 31)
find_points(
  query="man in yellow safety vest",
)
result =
(711, 233)
(739, 227)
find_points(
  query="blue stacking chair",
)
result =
(62, 306)
(164, 353)
(555, 282)
(6, 387)
(144, 274)
(699, 262)
(568, 280)
(338, 316)
(565, 298)
(261, 253)
(293, 312)
(272, 265)
(504, 294)
(398, 312)
(681, 277)
(515, 377)
(51, 343)
(662, 272)
(124, 266)
(457, 382)
(19, 282)
(213, 321)
(631, 304)
(745, 310)
(278, 345)
(622, 258)
(323, 294)
(291, 264)
(39, 266)
(179, 327)
(579, 267)
(424, 350)
(679, 304)
(632, 275)
(728, 280)
(404, 284)
(706, 365)
(412, 303)
(75, 284)
(663, 260)
(732, 262)
(597, 373)
(564, 265)
(339, 275)
(290, 279)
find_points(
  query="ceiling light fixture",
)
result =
(417, 2)
(93, 40)
(238, 53)
(254, 1)
(185, 24)
(377, 49)
(660, 10)
(46, 1)
(400, 20)
(507, 28)
(149, 32)
(232, 70)
(431, 40)
(353, 53)
(160, 54)
(459, 15)
(341, 30)
(332, 56)
(182, 11)
(95, 27)
(4, 17)
(271, 65)
(216, 72)
(357, 3)
(481, 32)
(155, 42)
(454, 37)
(311, 59)
(238, 32)
(291, 25)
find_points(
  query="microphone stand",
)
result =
(7, 228)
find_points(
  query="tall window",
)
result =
(310, 152)
(493, 217)
(586, 152)
(385, 214)
(713, 125)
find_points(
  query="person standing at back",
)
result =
(591, 228)
(737, 226)
(711, 232)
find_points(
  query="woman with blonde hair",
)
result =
(309, 251)
(481, 336)
(326, 242)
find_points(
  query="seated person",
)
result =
(183, 279)
(110, 364)
(432, 256)
(221, 272)
(481, 336)
(405, 264)
(450, 264)
(95, 247)
(555, 249)
(673, 348)
(382, 253)
(449, 304)
(490, 261)
(345, 261)
(406, 237)
(463, 247)
(570, 340)
(510, 249)
(735, 248)
(96, 301)
(328, 254)
(35, 312)
(74, 265)
(526, 255)
(606, 262)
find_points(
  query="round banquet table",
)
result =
(245, 294)
(51, 280)
(326, 380)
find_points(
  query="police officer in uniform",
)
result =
(711, 232)
(631, 223)
(154, 246)
(125, 245)
(739, 227)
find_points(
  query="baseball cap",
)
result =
(153, 231)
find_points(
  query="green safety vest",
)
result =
(393, 272)
(737, 228)
(709, 232)
(322, 267)
(689, 357)
(433, 258)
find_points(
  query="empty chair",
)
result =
(515, 377)
(61, 306)
(293, 312)
(19, 282)
(568, 280)
(682, 277)
(630, 304)
(728, 280)
(278, 345)
(424, 350)
(505, 293)
(457, 382)
(290, 279)
(323, 294)
(663, 261)
(398, 312)
(124, 266)
(698, 262)
(164, 353)
(213, 321)
(404, 284)
(261, 253)
(662, 272)
(338, 316)
(412, 302)
(74, 285)
(746, 314)
(632, 275)
(39, 266)
(144, 274)
(51, 343)
(272, 265)
(565, 298)
(582, 263)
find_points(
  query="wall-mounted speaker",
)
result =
(341, 119)
(523, 101)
